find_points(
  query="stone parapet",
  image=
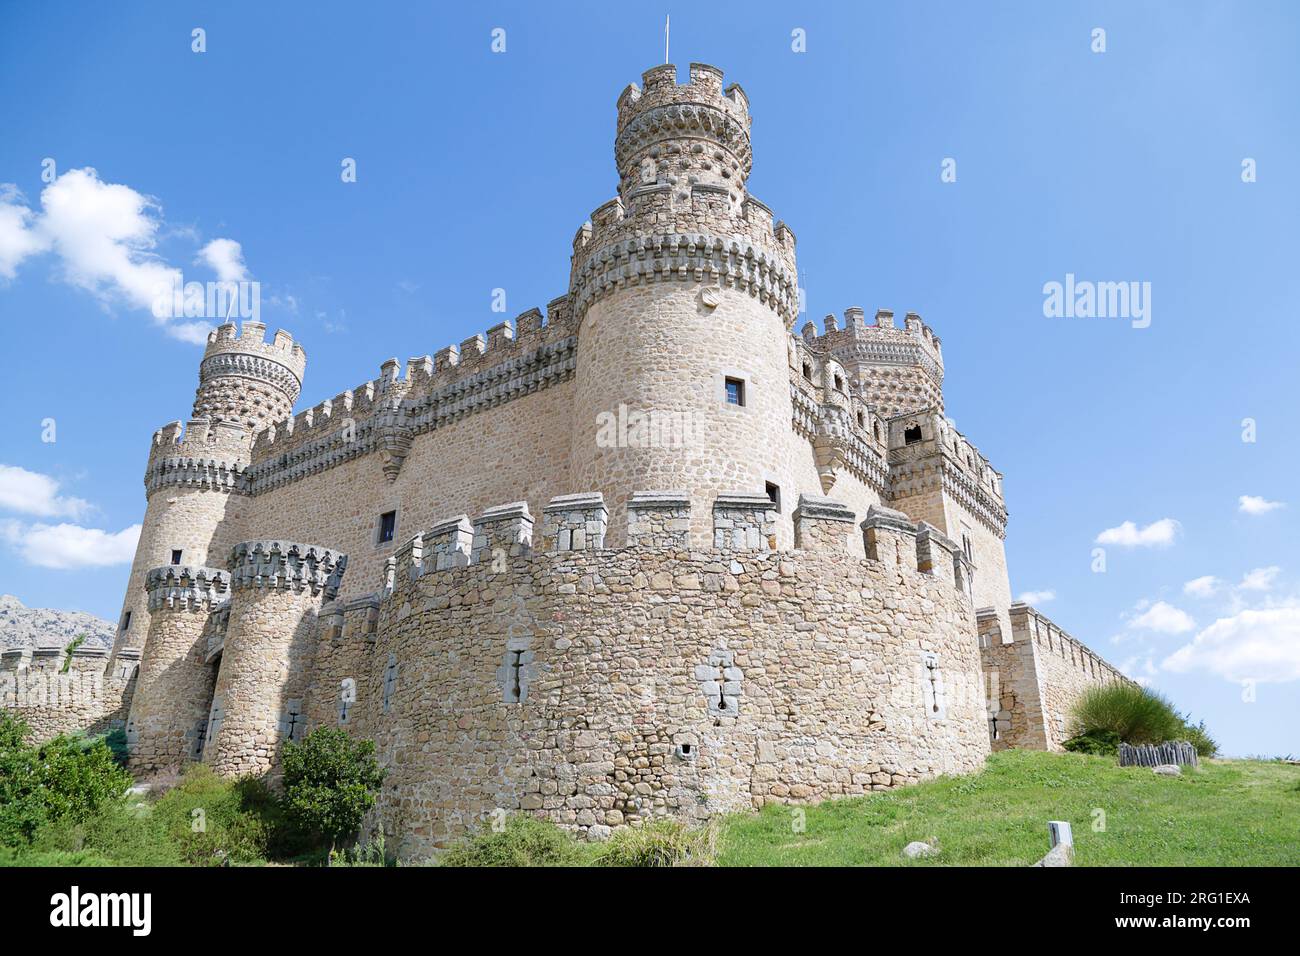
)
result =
(179, 587)
(287, 565)
(659, 519)
(822, 524)
(744, 521)
(505, 528)
(890, 537)
(575, 523)
(937, 554)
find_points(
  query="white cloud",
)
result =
(105, 237)
(1164, 618)
(1255, 505)
(18, 239)
(1159, 534)
(1260, 579)
(70, 546)
(226, 258)
(1202, 587)
(30, 492)
(1034, 598)
(1261, 645)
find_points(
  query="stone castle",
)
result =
(651, 553)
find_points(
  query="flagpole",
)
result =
(667, 18)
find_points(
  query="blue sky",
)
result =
(475, 168)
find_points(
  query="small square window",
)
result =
(774, 495)
(807, 371)
(176, 556)
(387, 526)
(735, 391)
(912, 435)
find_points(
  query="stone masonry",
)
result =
(647, 552)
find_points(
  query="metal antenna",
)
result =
(666, 20)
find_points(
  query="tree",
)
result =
(330, 783)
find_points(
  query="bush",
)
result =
(661, 843)
(1199, 737)
(61, 780)
(330, 783)
(1101, 742)
(114, 740)
(523, 841)
(1136, 716)
(122, 833)
(212, 821)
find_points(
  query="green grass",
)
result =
(1227, 813)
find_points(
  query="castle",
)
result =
(651, 553)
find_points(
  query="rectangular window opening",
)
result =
(387, 526)
(735, 391)
(774, 495)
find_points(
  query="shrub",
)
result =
(122, 833)
(69, 651)
(661, 843)
(1101, 742)
(523, 841)
(330, 782)
(114, 740)
(211, 821)
(1199, 737)
(1135, 714)
(61, 780)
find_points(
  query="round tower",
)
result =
(684, 291)
(194, 482)
(278, 590)
(245, 379)
(170, 705)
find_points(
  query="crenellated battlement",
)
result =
(664, 118)
(1030, 625)
(243, 378)
(896, 369)
(250, 339)
(682, 211)
(179, 587)
(658, 522)
(287, 565)
(511, 359)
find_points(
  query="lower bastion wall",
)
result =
(600, 687)
(1035, 678)
(35, 689)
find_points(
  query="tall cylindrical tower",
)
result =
(278, 589)
(247, 380)
(194, 479)
(170, 704)
(685, 292)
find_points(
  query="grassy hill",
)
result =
(1227, 813)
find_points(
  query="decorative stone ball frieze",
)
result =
(728, 263)
(180, 587)
(287, 565)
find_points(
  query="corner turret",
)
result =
(245, 379)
